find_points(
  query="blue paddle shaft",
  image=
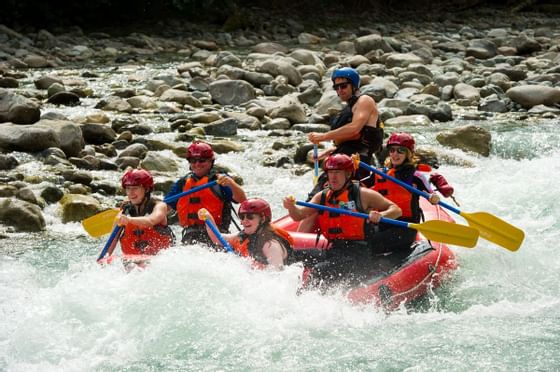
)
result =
(316, 159)
(407, 186)
(218, 235)
(116, 232)
(350, 213)
(172, 198)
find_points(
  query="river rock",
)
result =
(8, 82)
(97, 134)
(409, 120)
(22, 215)
(8, 162)
(52, 194)
(17, 109)
(160, 163)
(282, 66)
(467, 138)
(231, 92)
(533, 95)
(222, 128)
(65, 135)
(76, 207)
(137, 150)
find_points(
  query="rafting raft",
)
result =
(428, 266)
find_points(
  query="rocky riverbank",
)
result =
(82, 106)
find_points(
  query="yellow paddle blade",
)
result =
(101, 223)
(495, 230)
(447, 232)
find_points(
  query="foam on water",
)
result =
(192, 309)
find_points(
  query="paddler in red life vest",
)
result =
(259, 239)
(401, 164)
(357, 128)
(349, 258)
(217, 199)
(143, 217)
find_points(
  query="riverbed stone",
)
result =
(21, 215)
(533, 95)
(17, 109)
(76, 207)
(467, 138)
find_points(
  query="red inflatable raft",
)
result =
(427, 267)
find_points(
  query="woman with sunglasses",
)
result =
(266, 244)
(356, 129)
(217, 199)
(402, 165)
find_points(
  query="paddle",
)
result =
(490, 227)
(439, 231)
(102, 223)
(316, 161)
(116, 232)
(216, 232)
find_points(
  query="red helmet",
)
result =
(138, 177)
(257, 206)
(401, 139)
(200, 149)
(339, 162)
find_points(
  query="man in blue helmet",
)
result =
(356, 129)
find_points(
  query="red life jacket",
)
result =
(336, 226)
(245, 245)
(395, 193)
(144, 240)
(210, 198)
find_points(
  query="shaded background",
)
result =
(237, 14)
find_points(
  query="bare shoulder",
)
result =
(364, 99)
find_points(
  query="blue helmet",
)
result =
(347, 73)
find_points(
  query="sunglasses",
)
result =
(340, 86)
(197, 160)
(249, 216)
(400, 150)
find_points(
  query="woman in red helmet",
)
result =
(402, 165)
(217, 199)
(266, 244)
(350, 256)
(357, 128)
(143, 217)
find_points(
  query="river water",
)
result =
(197, 310)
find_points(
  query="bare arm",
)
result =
(203, 214)
(274, 253)
(300, 213)
(364, 109)
(378, 206)
(158, 216)
(238, 195)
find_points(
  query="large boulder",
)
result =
(17, 109)
(75, 207)
(467, 138)
(533, 95)
(23, 216)
(231, 92)
(62, 134)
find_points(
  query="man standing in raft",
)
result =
(349, 259)
(356, 129)
(216, 199)
(143, 217)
